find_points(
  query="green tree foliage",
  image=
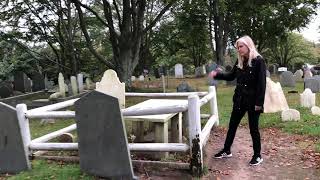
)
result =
(290, 49)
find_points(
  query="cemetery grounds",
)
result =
(291, 150)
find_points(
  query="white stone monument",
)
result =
(74, 86)
(274, 100)
(62, 88)
(80, 82)
(315, 110)
(290, 115)
(307, 98)
(141, 78)
(178, 71)
(111, 85)
(133, 78)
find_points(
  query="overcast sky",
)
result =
(312, 32)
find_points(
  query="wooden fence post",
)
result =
(213, 104)
(196, 162)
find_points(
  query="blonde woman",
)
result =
(250, 72)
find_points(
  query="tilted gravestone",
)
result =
(287, 79)
(103, 145)
(13, 156)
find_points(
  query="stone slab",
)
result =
(13, 157)
(103, 145)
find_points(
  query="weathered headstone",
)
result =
(290, 115)
(307, 98)
(80, 82)
(89, 83)
(103, 145)
(184, 87)
(111, 85)
(74, 85)
(37, 82)
(315, 110)
(133, 78)
(13, 156)
(6, 89)
(312, 83)
(21, 82)
(298, 75)
(287, 79)
(178, 71)
(274, 100)
(200, 71)
(62, 88)
(141, 78)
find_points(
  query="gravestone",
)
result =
(6, 89)
(111, 85)
(287, 79)
(178, 71)
(200, 71)
(133, 78)
(307, 98)
(37, 82)
(74, 86)
(89, 83)
(315, 110)
(275, 99)
(80, 82)
(312, 83)
(290, 115)
(298, 75)
(141, 78)
(13, 156)
(62, 87)
(103, 145)
(184, 87)
(21, 82)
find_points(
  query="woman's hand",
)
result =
(257, 108)
(212, 74)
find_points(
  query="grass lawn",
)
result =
(308, 125)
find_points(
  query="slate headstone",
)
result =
(287, 79)
(13, 157)
(21, 82)
(184, 87)
(6, 89)
(37, 82)
(103, 145)
(312, 83)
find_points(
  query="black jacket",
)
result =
(251, 84)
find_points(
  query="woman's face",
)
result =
(243, 50)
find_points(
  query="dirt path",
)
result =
(285, 157)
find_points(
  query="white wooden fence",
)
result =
(197, 136)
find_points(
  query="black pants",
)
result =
(235, 119)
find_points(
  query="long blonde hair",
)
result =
(253, 53)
